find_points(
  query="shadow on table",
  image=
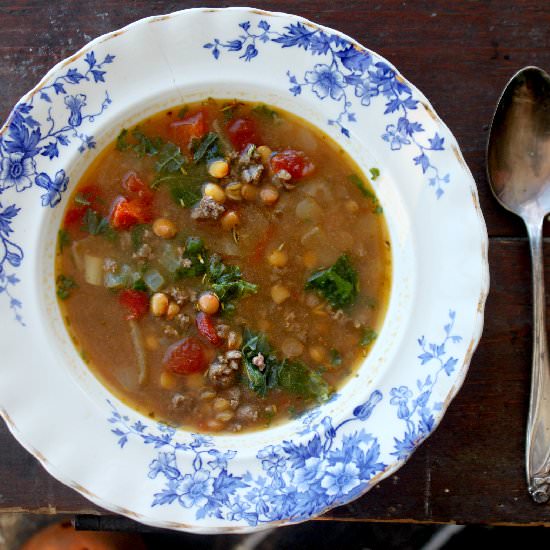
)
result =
(15, 529)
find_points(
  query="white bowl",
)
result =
(119, 459)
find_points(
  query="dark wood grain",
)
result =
(460, 54)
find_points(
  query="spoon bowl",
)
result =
(518, 160)
(518, 169)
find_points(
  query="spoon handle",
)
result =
(537, 453)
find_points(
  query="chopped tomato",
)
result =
(136, 302)
(206, 327)
(125, 213)
(74, 216)
(185, 357)
(136, 188)
(193, 126)
(294, 162)
(87, 197)
(241, 132)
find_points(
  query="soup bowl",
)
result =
(162, 476)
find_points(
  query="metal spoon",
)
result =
(518, 167)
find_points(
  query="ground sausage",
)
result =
(182, 402)
(252, 173)
(223, 373)
(247, 413)
(207, 208)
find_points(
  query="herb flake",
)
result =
(335, 357)
(229, 110)
(81, 199)
(183, 111)
(63, 239)
(136, 234)
(360, 184)
(368, 337)
(121, 143)
(64, 286)
(264, 111)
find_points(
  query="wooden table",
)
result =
(460, 54)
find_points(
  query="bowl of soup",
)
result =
(244, 270)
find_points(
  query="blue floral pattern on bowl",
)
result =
(26, 138)
(347, 71)
(297, 480)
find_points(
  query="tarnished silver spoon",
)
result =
(518, 167)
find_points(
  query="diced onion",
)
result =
(93, 270)
(76, 250)
(292, 347)
(305, 139)
(170, 258)
(279, 293)
(320, 189)
(137, 342)
(114, 280)
(228, 247)
(309, 209)
(344, 240)
(125, 277)
(153, 279)
(313, 238)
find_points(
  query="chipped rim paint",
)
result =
(484, 277)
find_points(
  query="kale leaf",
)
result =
(184, 180)
(338, 284)
(169, 159)
(184, 193)
(207, 148)
(260, 381)
(140, 143)
(197, 254)
(292, 376)
(95, 225)
(228, 283)
(297, 378)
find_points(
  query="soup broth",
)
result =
(223, 266)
